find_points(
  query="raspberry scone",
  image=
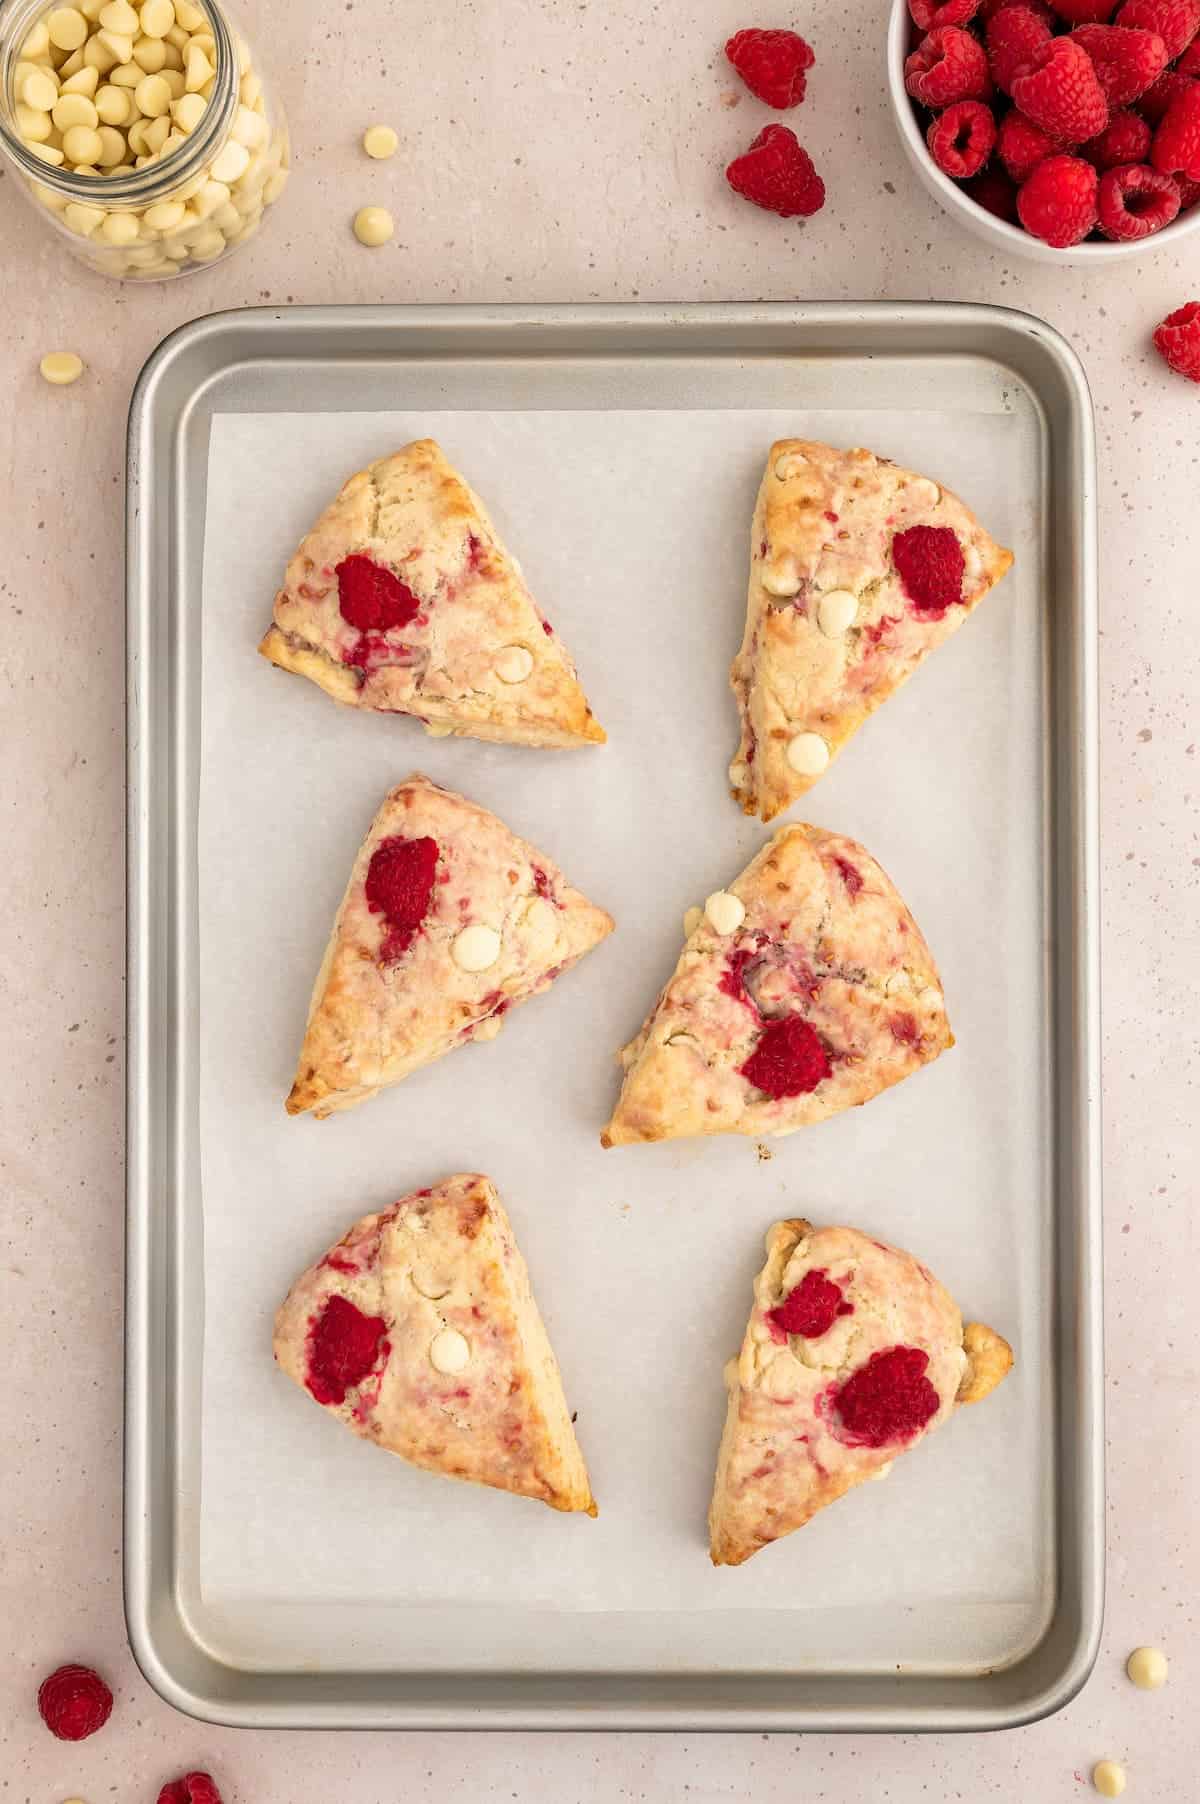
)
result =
(858, 570)
(420, 1332)
(448, 920)
(853, 1352)
(804, 988)
(403, 599)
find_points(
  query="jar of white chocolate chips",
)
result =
(146, 134)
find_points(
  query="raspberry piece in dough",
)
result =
(789, 1060)
(930, 563)
(888, 1399)
(344, 1347)
(399, 884)
(812, 1308)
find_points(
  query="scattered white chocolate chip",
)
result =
(449, 1352)
(373, 226)
(808, 754)
(724, 913)
(1147, 1667)
(513, 663)
(476, 948)
(1108, 1777)
(61, 367)
(781, 577)
(380, 141)
(836, 612)
(692, 920)
(790, 465)
(923, 492)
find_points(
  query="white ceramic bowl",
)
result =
(998, 232)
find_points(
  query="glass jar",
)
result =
(203, 192)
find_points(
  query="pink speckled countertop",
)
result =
(558, 150)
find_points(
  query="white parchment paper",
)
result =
(632, 529)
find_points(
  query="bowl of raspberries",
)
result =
(1067, 130)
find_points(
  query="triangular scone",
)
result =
(853, 1352)
(448, 920)
(420, 1332)
(403, 599)
(804, 988)
(858, 570)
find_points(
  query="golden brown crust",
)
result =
(826, 935)
(823, 525)
(989, 1361)
(453, 665)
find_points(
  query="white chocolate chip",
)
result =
(61, 367)
(97, 57)
(196, 68)
(164, 216)
(49, 153)
(791, 465)
(1147, 1667)
(82, 144)
(513, 663)
(379, 141)
(156, 18)
(150, 55)
(190, 16)
(808, 754)
(230, 163)
(476, 948)
(39, 91)
(67, 27)
(117, 43)
(682, 1040)
(923, 493)
(1108, 1777)
(119, 228)
(373, 226)
(175, 80)
(35, 128)
(127, 77)
(82, 219)
(188, 111)
(37, 44)
(274, 186)
(83, 81)
(75, 109)
(157, 132)
(691, 920)
(836, 612)
(250, 89)
(113, 147)
(724, 913)
(449, 1352)
(781, 576)
(152, 96)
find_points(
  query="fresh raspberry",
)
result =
(193, 1788)
(1176, 146)
(888, 1399)
(962, 138)
(1178, 340)
(946, 66)
(74, 1702)
(929, 562)
(811, 1309)
(928, 16)
(1125, 139)
(1189, 192)
(398, 886)
(344, 1347)
(1127, 60)
(995, 193)
(776, 173)
(1175, 21)
(1041, 8)
(1058, 202)
(789, 1060)
(1061, 92)
(372, 599)
(1155, 103)
(1189, 62)
(772, 64)
(1012, 37)
(1135, 201)
(1085, 12)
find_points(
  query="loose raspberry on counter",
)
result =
(1175, 21)
(344, 1347)
(773, 64)
(1177, 340)
(1135, 201)
(1085, 12)
(962, 138)
(946, 66)
(929, 562)
(1012, 38)
(888, 1399)
(1061, 92)
(1058, 202)
(1127, 60)
(1176, 146)
(398, 886)
(811, 1309)
(1125, 139)
(1156, 102)
(74, 1702)
(789, 1060)
(927, 15)
(193, 1788)
(372, 599)
(777, 173)
(995, 193)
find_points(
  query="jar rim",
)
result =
(136, 187)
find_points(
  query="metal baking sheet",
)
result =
(965, 1593)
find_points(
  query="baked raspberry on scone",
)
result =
(420, 1332)
(804, 988)
(852, 1354)
(858, 569)
(403, 599)
(448, 921)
